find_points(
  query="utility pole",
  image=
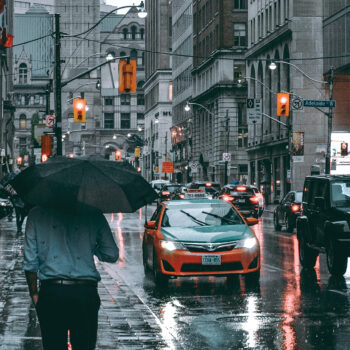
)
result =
(330, 121)
(226, 146)
(166, 153)
(58, 86)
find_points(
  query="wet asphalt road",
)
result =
(290, 309)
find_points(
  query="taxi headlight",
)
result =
(3, 203)
(248, 243)
(171, 245)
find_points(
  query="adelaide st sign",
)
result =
(319, 103)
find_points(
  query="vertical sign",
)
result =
(298, 146)
(254, 115)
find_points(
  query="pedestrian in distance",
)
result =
(59, 251)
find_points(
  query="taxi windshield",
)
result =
(201, 215)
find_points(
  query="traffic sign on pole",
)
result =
(298, 104)
(50, 120)
(319, 103)
(226, 157)
(254, 111)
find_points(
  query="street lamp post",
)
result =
(329, 114)
(58, 82)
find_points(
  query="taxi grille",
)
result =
(232, 266)
(210, 247)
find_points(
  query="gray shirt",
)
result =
(62, 246)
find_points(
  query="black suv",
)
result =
(324, 225)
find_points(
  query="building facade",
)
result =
(218, 102)
(182, 64)
(158, 89)
(32, 68)
(288, 32)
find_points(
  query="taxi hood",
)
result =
(205, 234)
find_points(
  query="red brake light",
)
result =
(241, 188)
(182, 196)
(254, 199)
(208, 184)
(165, 193)
(295, 208)
(228, 198)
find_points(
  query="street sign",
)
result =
(226, 157)
(50, 120)
(298, 104)
(319, 103)
(193, 165)
(254, 111)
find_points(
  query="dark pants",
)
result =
(68, 307)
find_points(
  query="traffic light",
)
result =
(79, 109)
(19, 160)
(118, 155)
(46, 147)
(127, 76)
(344, 149)
(282, 104)
(138, 169)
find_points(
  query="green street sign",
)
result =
(319, 103)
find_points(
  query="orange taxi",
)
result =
(200, 237)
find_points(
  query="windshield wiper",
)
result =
(202, 223)
(221, 217)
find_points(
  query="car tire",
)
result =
(275, 222)
(289, 224)
(307, 255)
(158, 278)
(336, 262)
(252, 278)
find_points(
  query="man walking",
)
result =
(59, 249)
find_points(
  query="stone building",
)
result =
(181, 130)
(288, 32)
(32, 65)
(218, 101)
(158, 88)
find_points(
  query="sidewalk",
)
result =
(124, 321)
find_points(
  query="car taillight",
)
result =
(295, 208)
(182, 196)
(165, 193)
(254, 199)
(228, 198)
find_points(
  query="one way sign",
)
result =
(254, 111)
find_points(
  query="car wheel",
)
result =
(252, 278)
(289, 224)
(307, 255)
(158, 278)
(336, 262)
(276, 223)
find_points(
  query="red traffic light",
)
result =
(44, 158)
(282, 104)
(344, 149)
(79, 110)
(19, 160)
(118, 155)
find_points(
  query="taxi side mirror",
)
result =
(252, 221)
(150, 224)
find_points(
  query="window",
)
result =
(140, 84)
(242, 115)
(133, 32)
(133, 54)
(239, 34)
(140, 116)
(240, 4)
(140, 100)
(22, 121)
(125, 33)
(242, 137)
(23, 73)
(142, 33)
(22, 145)
(125, 99)
(36, 99)
(108, 101)
(109, 120)
(125, 121)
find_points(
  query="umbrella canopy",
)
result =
(78, 185)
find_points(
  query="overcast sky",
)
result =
(120, 3)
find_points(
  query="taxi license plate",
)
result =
(211, 260)
(195, 195)
(241, 201)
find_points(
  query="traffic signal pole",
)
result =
(58, 86)
(330, 121)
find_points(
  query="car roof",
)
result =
(328, 177)
(175, 203)
(248, 186)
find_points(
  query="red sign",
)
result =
(167, 167)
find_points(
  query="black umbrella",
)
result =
(80, 184)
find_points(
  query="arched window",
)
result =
(142, 33)
(133, 54)
(122, 53)
(140, 84)
(23, 73)
(23, 121)
(110, 55)
(125, 33)
(133, 32)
